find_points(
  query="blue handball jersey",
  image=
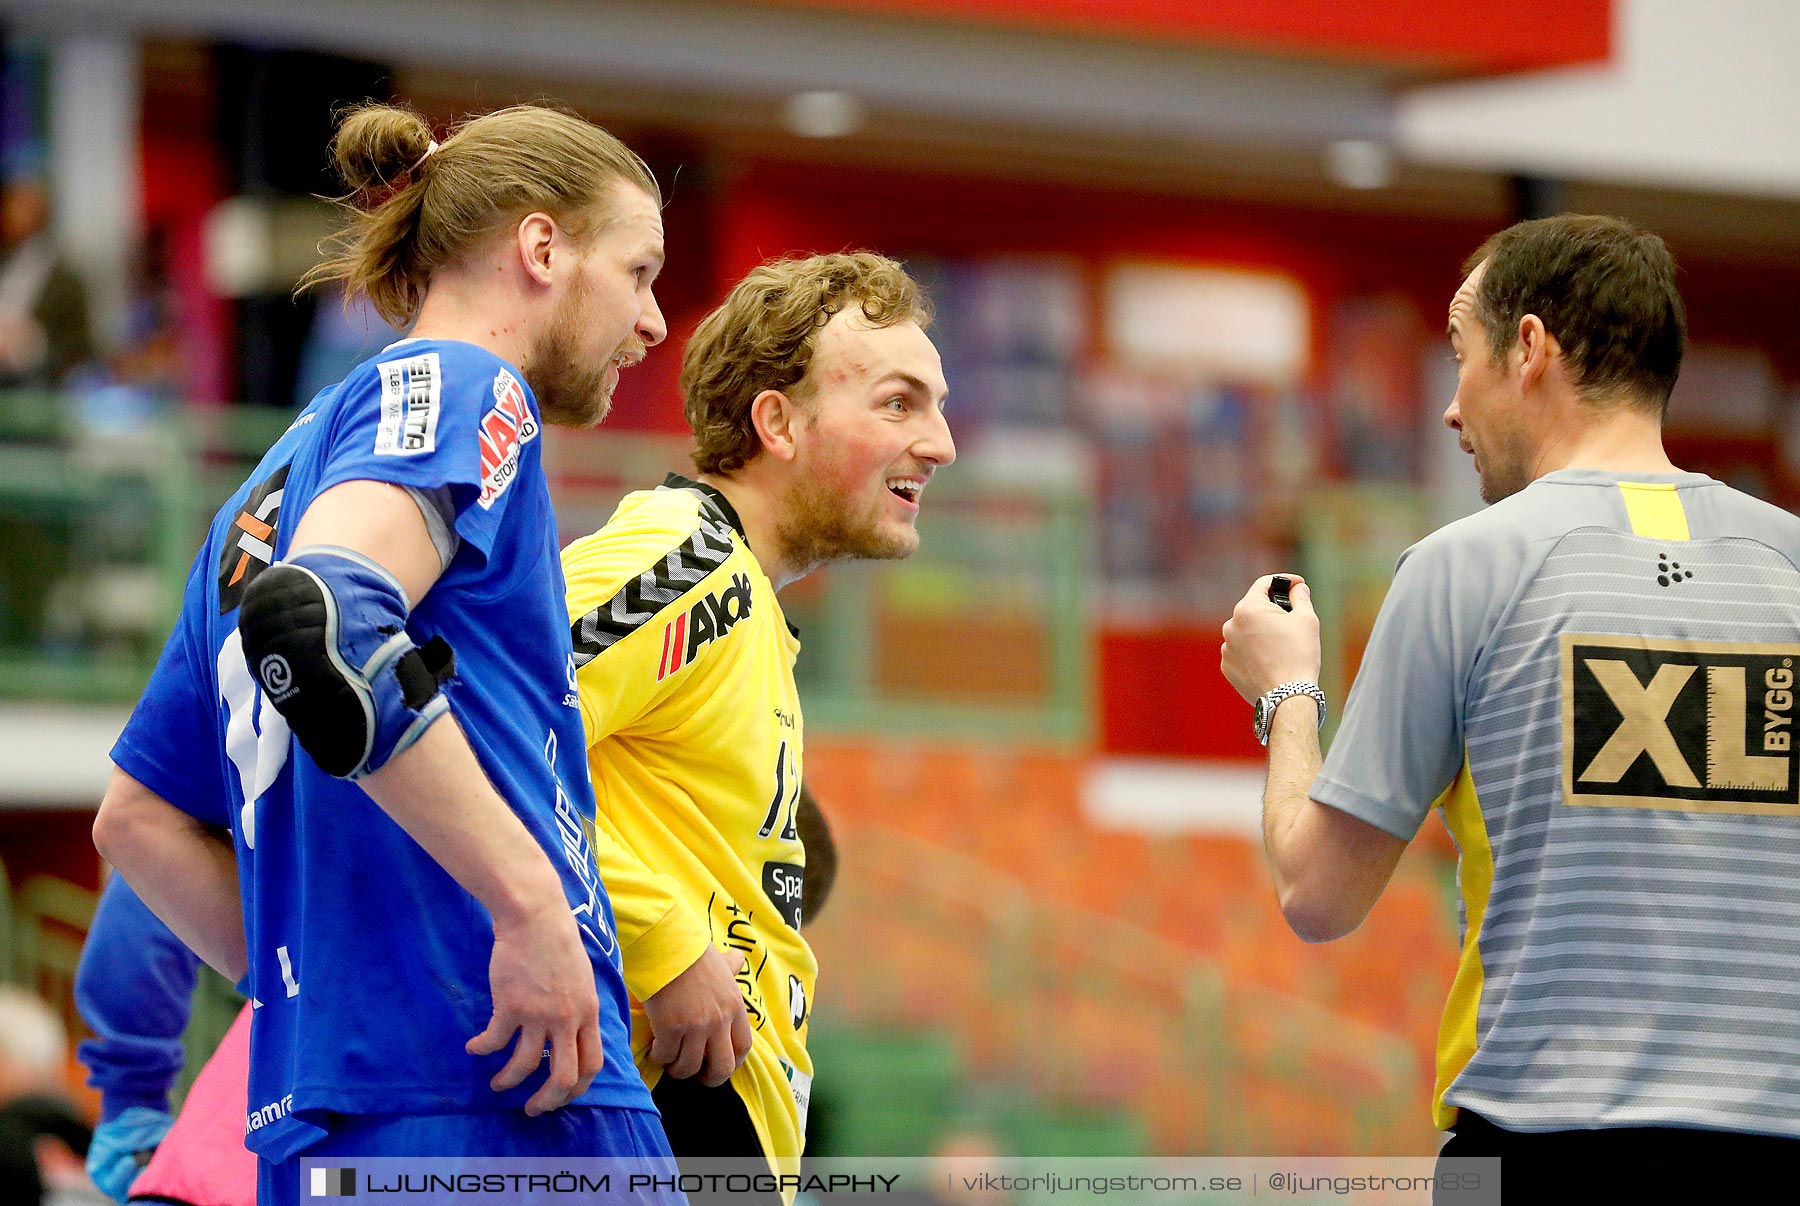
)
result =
(368, 963)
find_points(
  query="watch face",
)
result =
(1262, 715)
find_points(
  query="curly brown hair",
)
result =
(763, 337)
(414, 206)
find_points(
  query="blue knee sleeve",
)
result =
(325, 634)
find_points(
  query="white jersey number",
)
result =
(256, 735)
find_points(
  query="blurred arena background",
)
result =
(1191, 260)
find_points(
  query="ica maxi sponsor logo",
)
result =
(706, 621)
(505, 430)
(1701, 725)
(800, 1084)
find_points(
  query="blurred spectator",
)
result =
(45, 330)
(133, 988)
(124, 391)
(342, 336)
(41, 1138)
(45, 334)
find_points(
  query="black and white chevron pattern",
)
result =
(640, 599)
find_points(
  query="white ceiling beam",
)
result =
(1044, 80)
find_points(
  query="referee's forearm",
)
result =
(1329, 865)
(1294, 760)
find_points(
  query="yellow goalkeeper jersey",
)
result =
(684, 666)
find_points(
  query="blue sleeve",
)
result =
(134, 988)
(171, 743)
(455, 418)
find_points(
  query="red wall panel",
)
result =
(1447, 35)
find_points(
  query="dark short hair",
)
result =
(1602, 287)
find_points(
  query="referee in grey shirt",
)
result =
(1593, 681)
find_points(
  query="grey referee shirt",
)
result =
(1595, 681)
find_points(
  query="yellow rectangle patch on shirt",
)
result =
(1655, 510)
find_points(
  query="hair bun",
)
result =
(377, 144)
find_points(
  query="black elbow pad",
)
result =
(324, 634)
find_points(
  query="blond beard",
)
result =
(815, 530)
(569, 393)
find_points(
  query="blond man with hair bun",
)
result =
(355, 778)
(816, 400)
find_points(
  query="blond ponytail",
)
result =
(415, 205)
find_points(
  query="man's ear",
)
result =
(534, 236)
(1536, 348)
(775, 415)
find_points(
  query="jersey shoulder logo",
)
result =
(642, 598)
(505, 430)
(1705, 726)
(250, 541)
(410, 404)
(712, 616)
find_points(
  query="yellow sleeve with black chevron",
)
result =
(619, 581)
(696, 747)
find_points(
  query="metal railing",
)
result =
(983, 633)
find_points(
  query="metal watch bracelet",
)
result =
(1266, 705)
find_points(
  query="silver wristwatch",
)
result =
(1265, 707)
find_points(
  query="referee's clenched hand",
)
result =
(1266, 646)
(543, 987)
(698, 1023)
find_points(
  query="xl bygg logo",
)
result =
(1700, 725)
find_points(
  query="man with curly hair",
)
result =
(816, 401)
